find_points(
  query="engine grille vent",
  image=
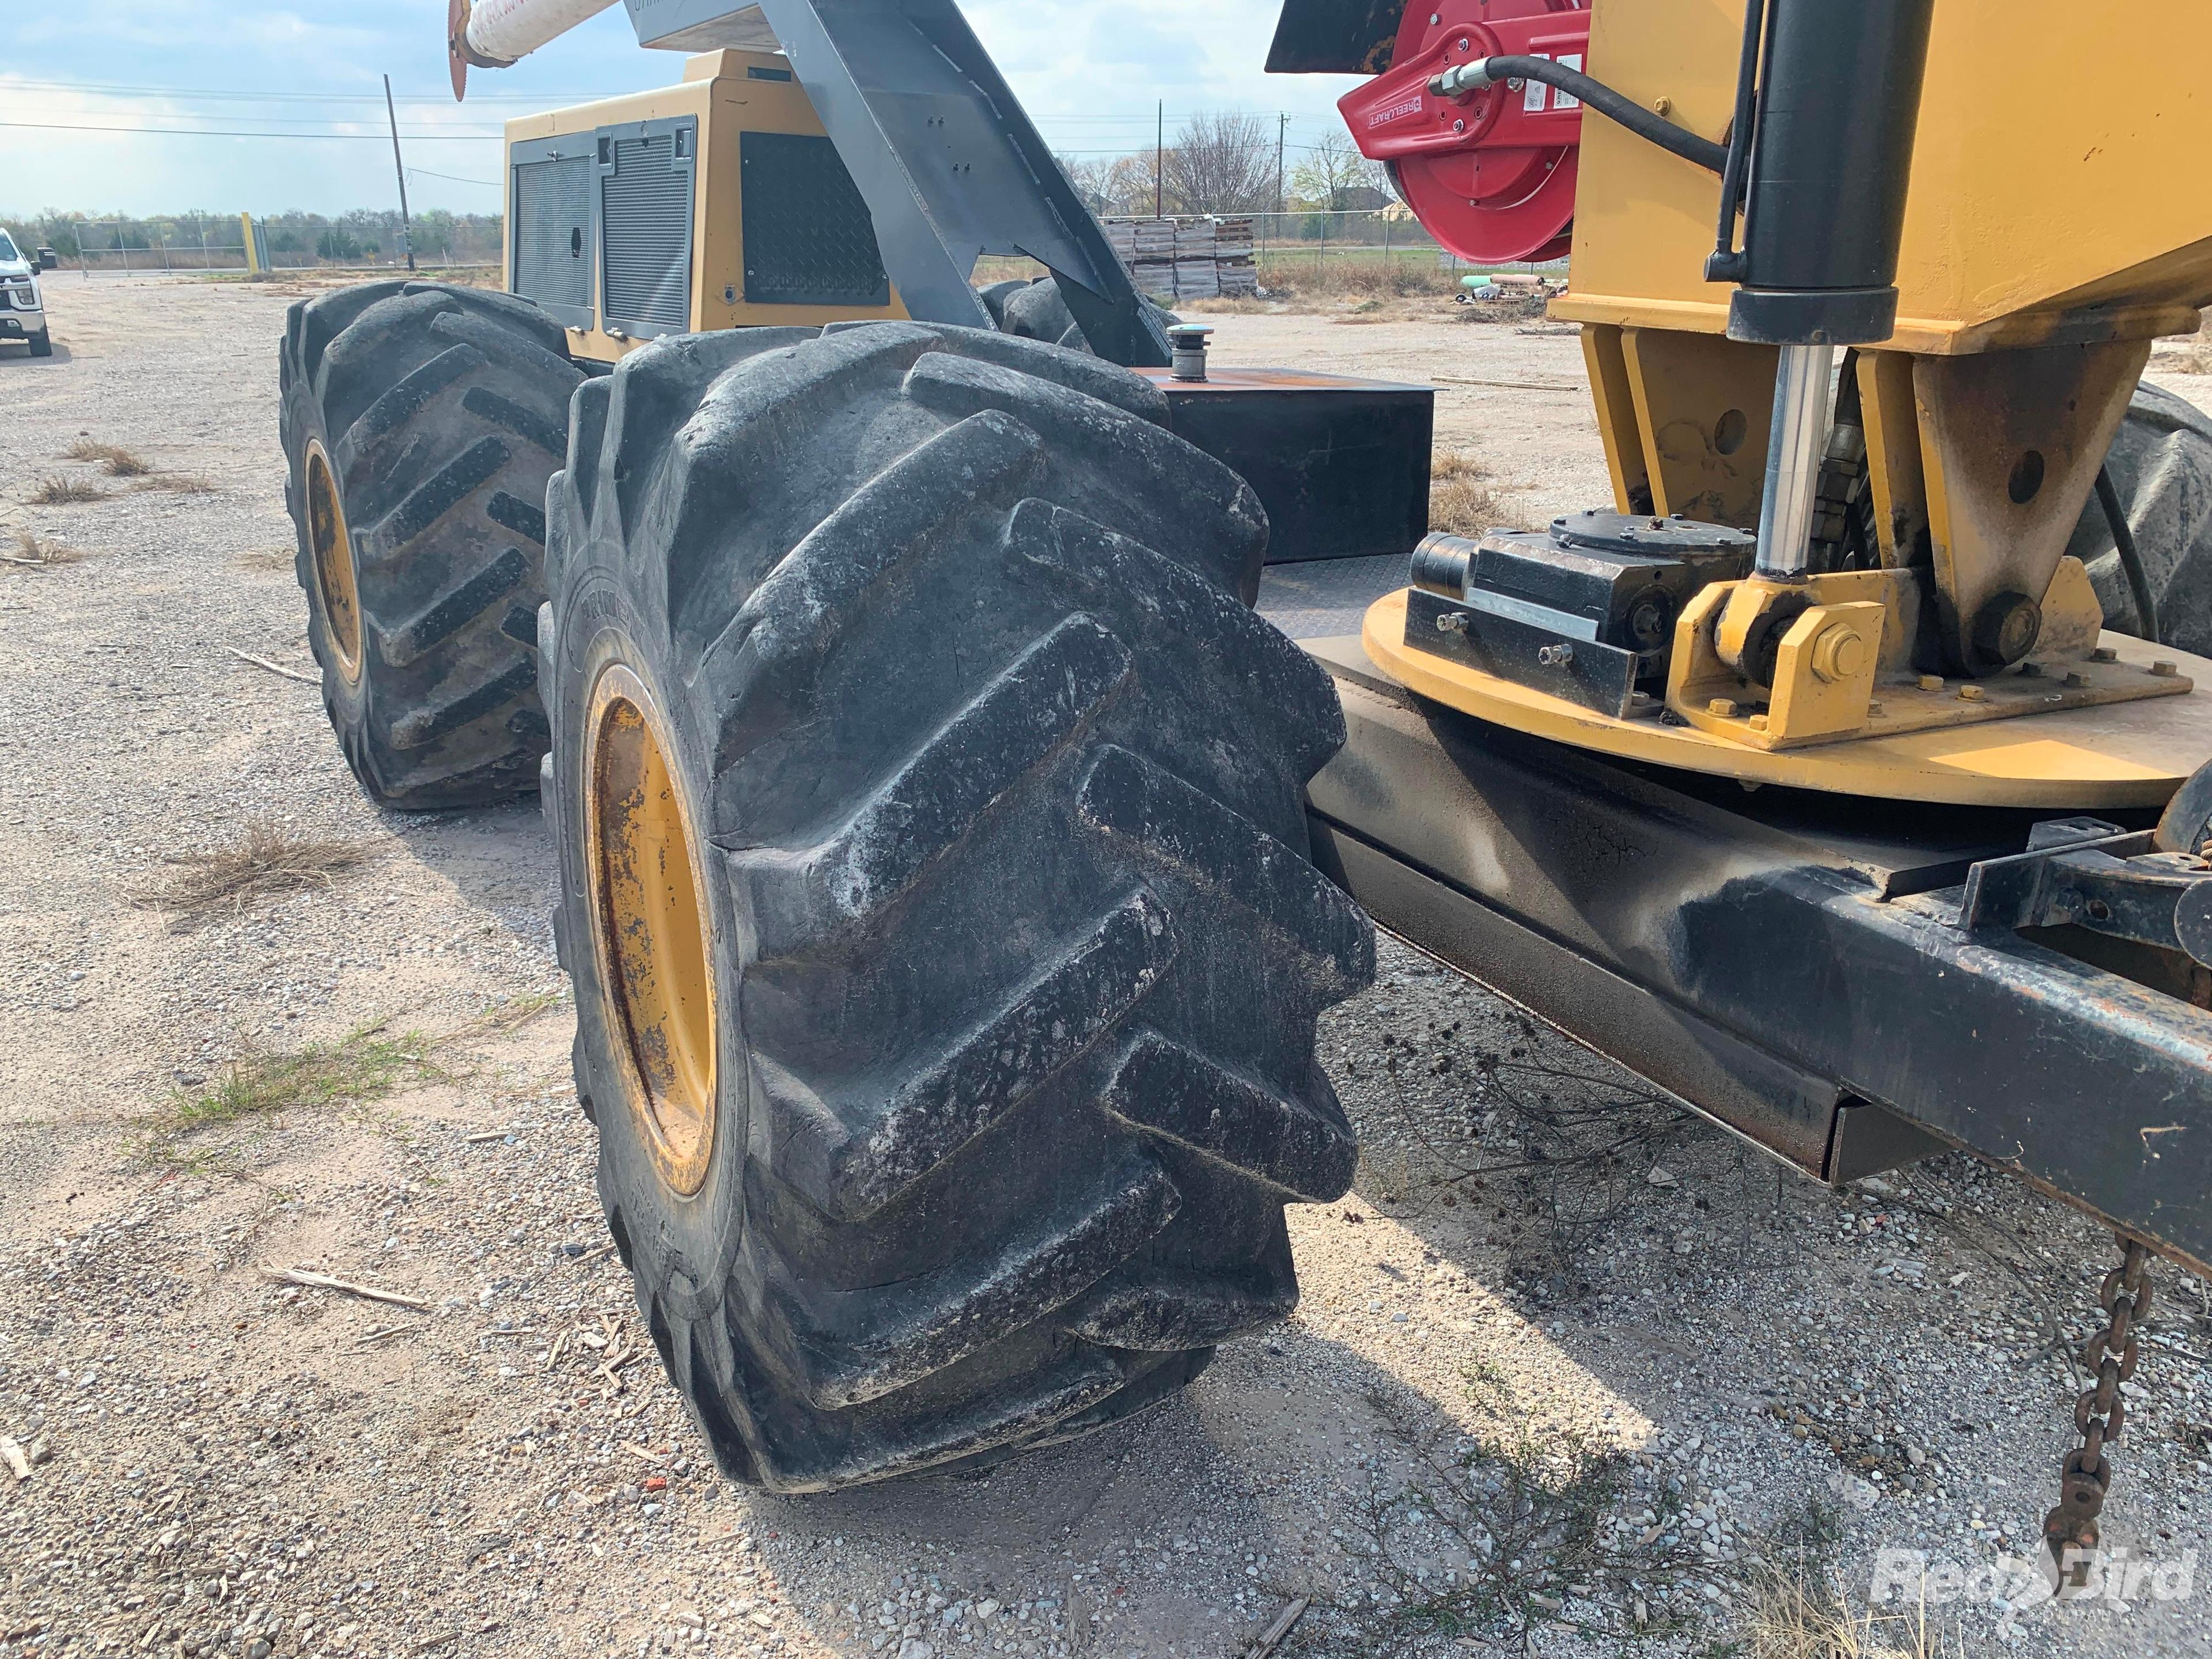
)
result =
(645, 205)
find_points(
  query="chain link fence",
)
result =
(295, 241)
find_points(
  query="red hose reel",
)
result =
(1490, 173)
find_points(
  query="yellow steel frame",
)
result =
(2044, 245)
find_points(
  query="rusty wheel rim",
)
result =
(332, 545)
(650, 927)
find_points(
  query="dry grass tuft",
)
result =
(1461, 498)
(1288, 270)
(1792, 1618)
(40, 554)
(261, 1082)
(66, 492)
(267, 558)
(1232, 304)
(270, 861)
(177, 483)
(118, 463)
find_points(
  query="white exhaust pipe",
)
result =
(494, 34)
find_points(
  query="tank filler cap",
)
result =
(1189, 342)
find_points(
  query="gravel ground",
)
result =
(1571, 1365)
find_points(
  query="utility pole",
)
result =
(1282, 131)
(406, 234)
(1160, 164)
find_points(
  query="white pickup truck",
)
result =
(22, 308)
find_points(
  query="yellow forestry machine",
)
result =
(954, 857)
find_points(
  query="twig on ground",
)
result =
(1272, 1637)
(315, 1281)
(274, 668)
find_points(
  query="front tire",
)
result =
(935, 888)
(42, 344)
(421, 424)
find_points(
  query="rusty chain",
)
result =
(2101, 1412)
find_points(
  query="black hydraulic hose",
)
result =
(1613, 106)
(1727, 264)
(2123, 541)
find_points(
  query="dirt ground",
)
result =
(1575, 1373)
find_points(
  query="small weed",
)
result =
(1461, 498)
(1517, 1526)
(39, 554)
(270, 861)
(66, 492)
(364, 1064)
(118, 463)
(177, 483)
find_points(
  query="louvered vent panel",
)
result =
(553, 231)
(646, 210)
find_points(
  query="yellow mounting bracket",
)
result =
(1843, 665)
(1825, 663)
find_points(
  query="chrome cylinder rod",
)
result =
(1793, 460)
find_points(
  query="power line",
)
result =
(439, 96)
(454, 178)
(218, 132)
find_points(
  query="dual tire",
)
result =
(929, 804)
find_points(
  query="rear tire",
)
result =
(935, 887)
(2161, 466)
(1035, 311)
(421, 424)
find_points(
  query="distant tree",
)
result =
(1090, 177)
(1223, 162)
(1335, 177)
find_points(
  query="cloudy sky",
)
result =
(159, 106)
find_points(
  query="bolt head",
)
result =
(1838, 654)
(1722, 708)
(2104, 653)
(2165, 668)
(1931, 682)
(1971, 693)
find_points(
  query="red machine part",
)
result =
(1490, 173)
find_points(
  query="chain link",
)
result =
(2101, 1412)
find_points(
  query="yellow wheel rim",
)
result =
(333, 549)
(650, 927)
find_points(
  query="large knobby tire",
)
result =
(421, 424)
(2161, 466)
(935, 888)
(1036, 311)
